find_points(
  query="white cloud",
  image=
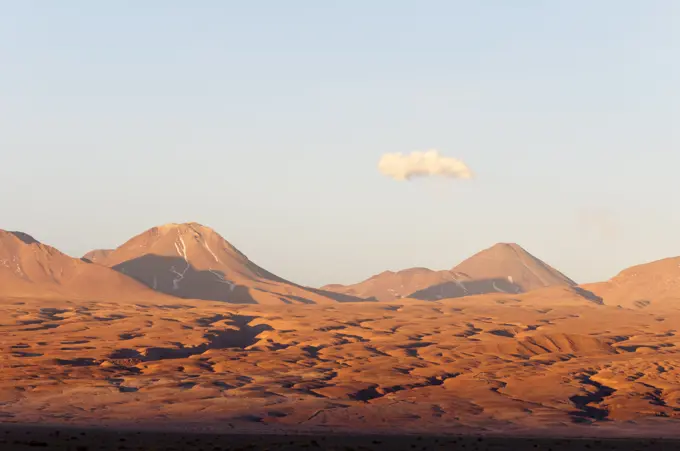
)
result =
(422, 164)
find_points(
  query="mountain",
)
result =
(513, 263)
(193, 261)
(389, 286)
(502, 268)
(655, 285)
(97, 255)
(29, 268)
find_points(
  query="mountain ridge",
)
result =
(655, 283)
(31, 268)
(190, 260)
(503, 268)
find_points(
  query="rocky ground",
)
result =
(488, 364)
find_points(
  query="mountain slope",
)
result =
(655, 284)
(97, 255)
(29, 268)
(389, 286)
(512, 262)
(502, 268)
(194, 261)
(540, 297)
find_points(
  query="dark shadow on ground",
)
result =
(242, 337)
(588, 412)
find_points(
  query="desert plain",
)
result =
(87, 345)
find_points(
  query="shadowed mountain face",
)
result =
(459, 289)
(204, 248)
(503, 268)
(29, 268)
(24, 237)
(161, 273)
(389, 286)
(193, 261)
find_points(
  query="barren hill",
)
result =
(193, 261)
(389, 285)
(502, 268)
(549, 361)
(97, 255)
(512, 262)
(655, 284)
(29, 268)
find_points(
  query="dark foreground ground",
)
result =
(17, 437)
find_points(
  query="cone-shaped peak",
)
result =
(184, 228)
(190, 241)
(190, 260)
(512, 262)
(506, 244)
(506, 248)
(175, 247)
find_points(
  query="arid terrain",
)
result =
(86, 344)
(492, 363)
(502, 268)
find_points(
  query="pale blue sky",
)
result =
(265, 119)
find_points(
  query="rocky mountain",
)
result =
(650, 285)
(502, 268)
(389, 285)
(512, 262)
(193, 261)
(29, 268)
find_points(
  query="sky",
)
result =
(267, 120)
